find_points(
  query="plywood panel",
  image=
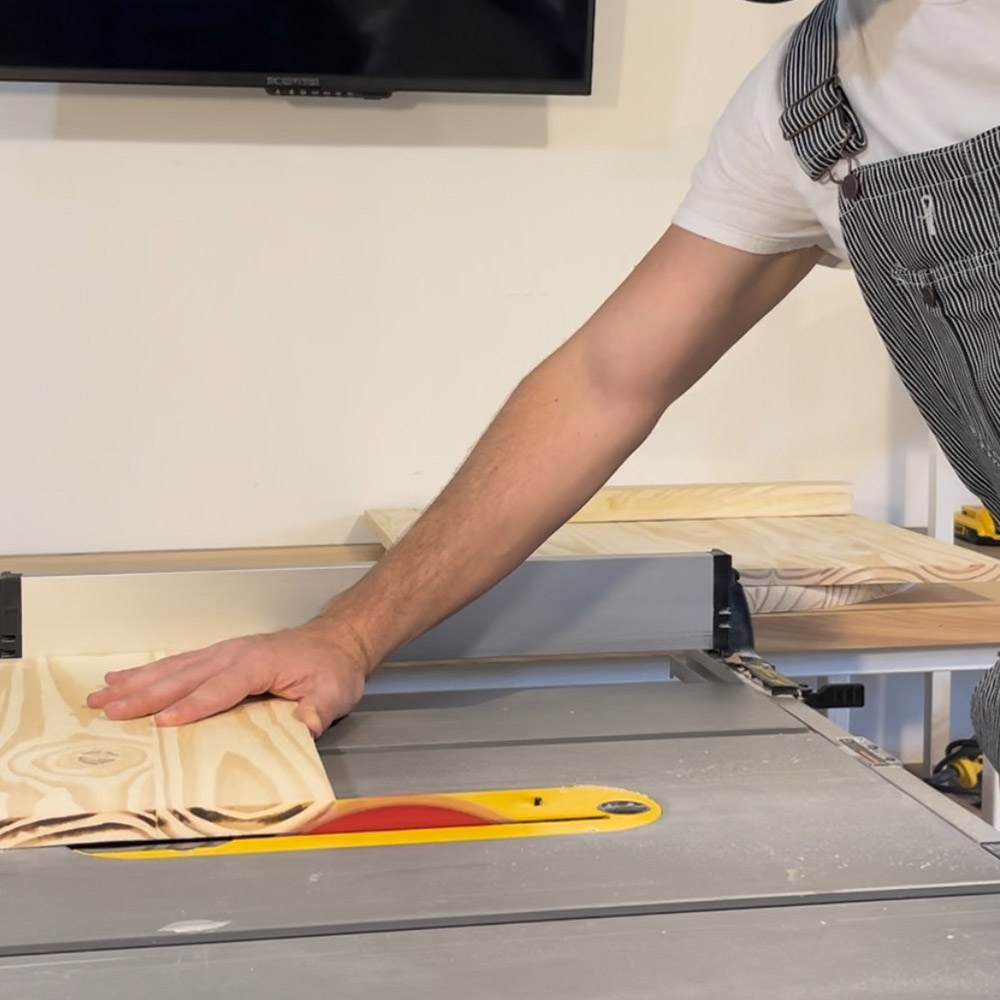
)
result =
(69, 775)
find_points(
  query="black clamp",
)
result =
(11, 634)
(833, 696)
(733, 625)
(735, 645)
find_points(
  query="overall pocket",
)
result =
(960, 303)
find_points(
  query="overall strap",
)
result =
(818, 119)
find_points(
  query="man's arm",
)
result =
(562, 433)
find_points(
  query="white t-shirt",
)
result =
(920, 74)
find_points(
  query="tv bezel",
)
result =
(317, 85)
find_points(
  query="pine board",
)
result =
(926, 615)
(390, 525)
(694, 502)
(69, 775)
(276, 557)
(621, 504)
(845, 551)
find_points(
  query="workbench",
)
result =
(773, 855)
(934, 630)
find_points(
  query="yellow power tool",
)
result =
(975, 524)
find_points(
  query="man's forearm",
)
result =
(552, 446)
(564, 431)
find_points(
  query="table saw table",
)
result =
(778, 857)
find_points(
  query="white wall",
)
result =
(229, 320)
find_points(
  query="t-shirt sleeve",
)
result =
(745, 192)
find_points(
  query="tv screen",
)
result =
(308, 47)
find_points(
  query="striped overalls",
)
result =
(923, 235)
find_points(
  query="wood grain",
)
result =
(68, 775)
(783, 599)
(710, 500)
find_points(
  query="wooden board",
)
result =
(840, 551)
(621, 504)
(280, 557)
(691, 502)
(849, 550)
(390, 525)
(925, 615)
(69, 775)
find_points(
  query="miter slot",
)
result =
(598, 713)
(936, 948)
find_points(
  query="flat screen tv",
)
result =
(366, 48)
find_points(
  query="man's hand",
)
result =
(325, 675)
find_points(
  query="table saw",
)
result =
(683, 826)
